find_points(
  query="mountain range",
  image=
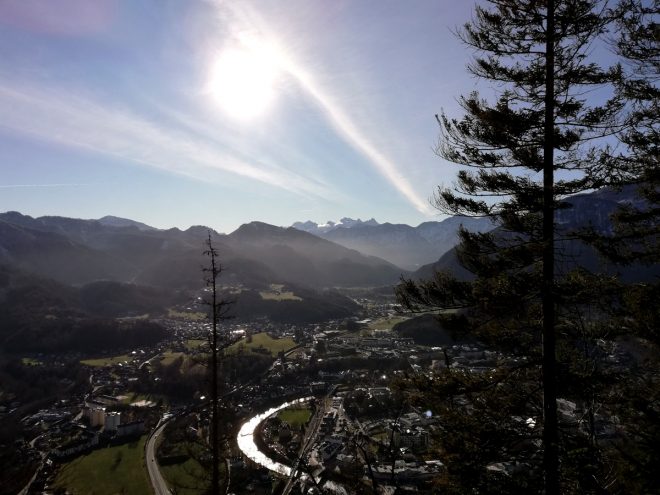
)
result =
(348, 253)
(77, 252)
(59, 275)
(400, 244)
(581, 210)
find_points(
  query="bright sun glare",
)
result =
(242, 81)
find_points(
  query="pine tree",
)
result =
(635, 239)
(636, 234)
(542, 139)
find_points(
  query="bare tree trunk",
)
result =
(214, 271)
(367, 461)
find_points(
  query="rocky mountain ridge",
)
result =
(75, 251)
(400, 244)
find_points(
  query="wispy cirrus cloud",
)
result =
(65, 17)
(248, 19)
(22, 186)
(81, 121)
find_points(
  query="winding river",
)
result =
(247, 445)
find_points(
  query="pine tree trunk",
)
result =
(550, 428)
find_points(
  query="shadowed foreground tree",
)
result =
(541, 140)
(218, 311)
(636, 233)
(635, 239)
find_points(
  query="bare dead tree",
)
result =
(361, 443)
(219, 311)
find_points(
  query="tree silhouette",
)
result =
(219, 311)
(542, 139)
(635, 239)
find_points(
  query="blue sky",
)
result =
(179, 113)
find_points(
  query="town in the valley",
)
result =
(322, 408)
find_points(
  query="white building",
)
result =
(96, 416)
(112, 420)
(415, 437)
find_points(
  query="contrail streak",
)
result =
(339, 118)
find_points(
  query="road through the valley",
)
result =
(157, 481)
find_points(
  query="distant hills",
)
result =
(76, 252)
(582, 210)
(400, 244)
(41, 315)
(38, 314)
(348, 253)
(62, 279)
(111, 221)
(303, 258)
(346, 223)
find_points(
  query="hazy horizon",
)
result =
(186, 227)
(219, 113)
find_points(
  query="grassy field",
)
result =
(132, 397)
(386, 323)
(27, 361)
(383, 436)
(187, 478)
(263, 340)
(295, 416)
(297, 353)
(277, 293)
(186, 315)
(109, 471)
(169, 357)
(108, 361)
(279, 296)
(194, 344)
(144, 316)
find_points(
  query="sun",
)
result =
(242, 81)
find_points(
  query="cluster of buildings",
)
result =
(360, 418)
(105, 416)
(100, 417)
(69, 431)
(387, 449)
(411, 472)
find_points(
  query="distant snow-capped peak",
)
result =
(323, 228)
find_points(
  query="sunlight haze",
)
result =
(219, 113)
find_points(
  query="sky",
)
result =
(218, 113)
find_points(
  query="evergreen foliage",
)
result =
(634, 395)
(636, 233)
(549, 133)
